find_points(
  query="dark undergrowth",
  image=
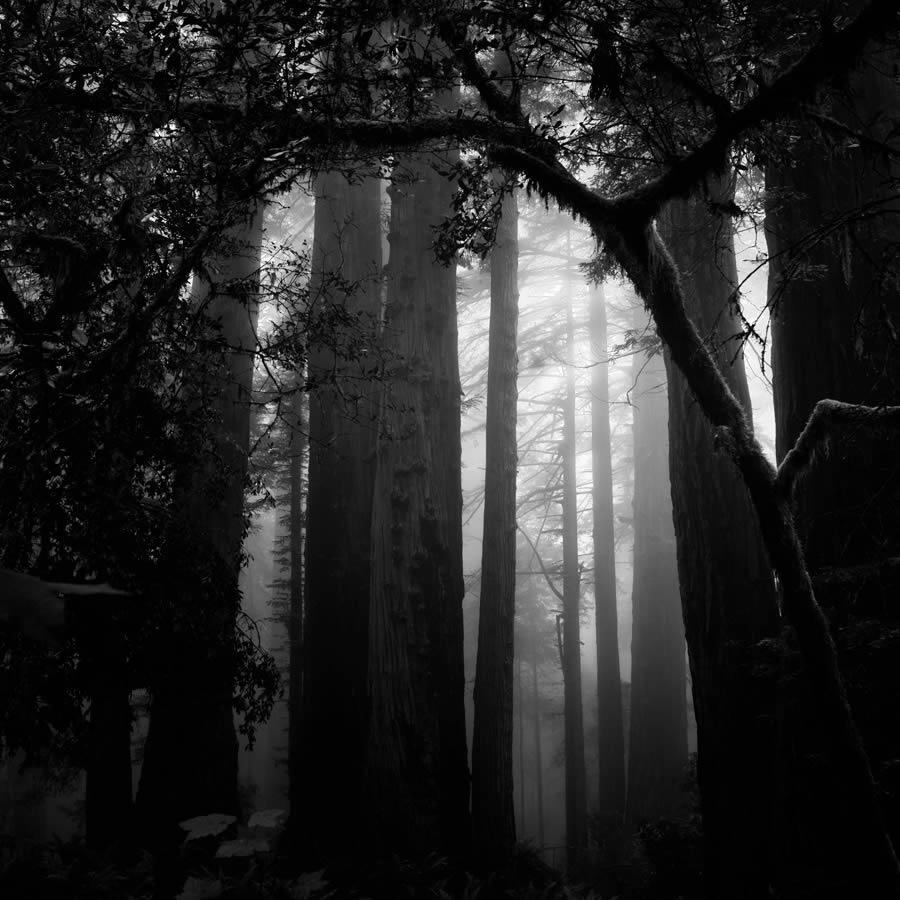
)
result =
(220, 860)
(72, 871)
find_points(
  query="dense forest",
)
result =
(449, 449)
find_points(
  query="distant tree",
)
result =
(537, 738)
(537, 642)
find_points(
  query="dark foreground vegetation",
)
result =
(667, 864)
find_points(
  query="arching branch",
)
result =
(827, 422)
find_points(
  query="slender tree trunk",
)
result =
(657, 757)
(521, 694)
(417, 776)
(727, 589)
(345, 299)
(538, 750)
(611, 755)
(493, 821)
(832, 231)
(190, 760)
(576, 776)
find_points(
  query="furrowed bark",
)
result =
(728, 595)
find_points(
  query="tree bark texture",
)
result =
(657, 756)
(190, 760)
(576, 775)
(417, 776)
(493, 819)
(832, 226)
(611, 750)
(727, 588)
(345, 290)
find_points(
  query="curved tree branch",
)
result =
(835, 53)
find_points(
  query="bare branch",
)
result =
(879, 571)
(540, 562)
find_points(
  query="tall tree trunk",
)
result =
(190, 760)
(657, 754)
(345, 299)
(297, 467)
(727, 589)
(417, 776)
(611, 750)
(493, 821)
(832, 231)
(576, 776)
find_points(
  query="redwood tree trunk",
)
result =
(493, 819)
(417, 779)
(611, 750)
(832, 226)
(345, 299)
(727, 588)
(657, 755)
